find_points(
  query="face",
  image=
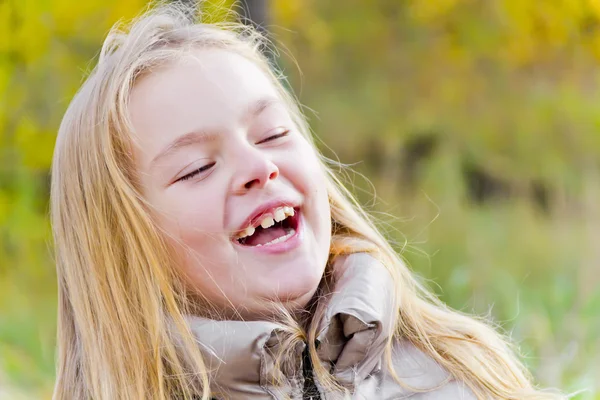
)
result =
(232, 183)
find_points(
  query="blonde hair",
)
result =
(120, 297)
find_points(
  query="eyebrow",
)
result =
(204, 136)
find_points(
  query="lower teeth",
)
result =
(279, 239)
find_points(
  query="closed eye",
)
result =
(275, 137)
(195, 172)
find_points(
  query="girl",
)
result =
(206, 250)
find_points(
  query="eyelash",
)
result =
(195, 172)
(206, 167)
(277, 136)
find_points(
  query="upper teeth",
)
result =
(268, 220)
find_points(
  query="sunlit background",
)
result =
(475, 122)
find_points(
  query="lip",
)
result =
(280, 247)
(266, 208)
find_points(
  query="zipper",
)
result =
(310, 390)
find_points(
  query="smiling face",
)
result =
(219, 158)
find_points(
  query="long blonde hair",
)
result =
(120, 297)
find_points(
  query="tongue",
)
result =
(262, 236)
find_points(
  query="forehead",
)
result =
(207, 89)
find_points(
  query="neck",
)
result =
(350, 325)
(299, 309)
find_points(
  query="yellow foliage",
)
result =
(217, 10)
(5, 25)
(594, 6)
(430, 11)
(319, 34)
(32, 34)
(4, 207)
(69, 15)
(285, 12)
(123, 9)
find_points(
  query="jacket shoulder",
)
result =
(421, 377)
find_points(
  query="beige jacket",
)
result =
(358, 321)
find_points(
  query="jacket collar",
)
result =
(357, 321)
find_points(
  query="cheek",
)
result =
(309, 175)
(193, 222)
(304, 167)
(191, 217)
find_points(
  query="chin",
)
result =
(295, 285)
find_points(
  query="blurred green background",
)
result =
(476, 122)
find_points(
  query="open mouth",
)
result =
(272, 229)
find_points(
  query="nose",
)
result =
(254, 170)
